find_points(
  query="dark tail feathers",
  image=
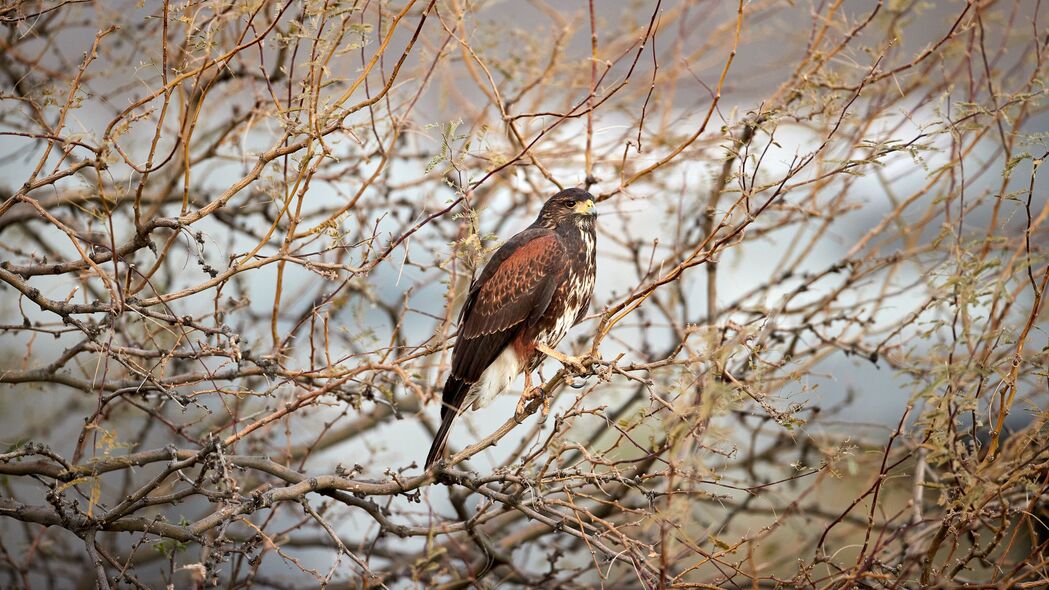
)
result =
(452, 398)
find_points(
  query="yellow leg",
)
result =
(573, 363)
(528, 393)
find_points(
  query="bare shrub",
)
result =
(236, 234)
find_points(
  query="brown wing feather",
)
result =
(513, 291)
(507, 297)
(510, 291)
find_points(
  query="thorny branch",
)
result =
(235, 236)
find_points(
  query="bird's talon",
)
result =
(527, 396)
(573, 364)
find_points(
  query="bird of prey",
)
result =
(535, 287)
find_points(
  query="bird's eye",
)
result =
(569, 203)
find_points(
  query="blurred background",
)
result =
(818, 330)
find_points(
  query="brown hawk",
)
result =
(535, 287)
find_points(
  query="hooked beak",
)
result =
(586, 207)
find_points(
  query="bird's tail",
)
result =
(454, 393)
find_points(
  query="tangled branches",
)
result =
(235, 235)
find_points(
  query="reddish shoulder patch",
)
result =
(528, 265)
(529, 253)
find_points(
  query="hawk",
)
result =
(535, 287)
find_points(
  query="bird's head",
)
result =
(572, 205)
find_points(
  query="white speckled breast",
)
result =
(572, 297)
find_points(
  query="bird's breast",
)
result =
(573, 292)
